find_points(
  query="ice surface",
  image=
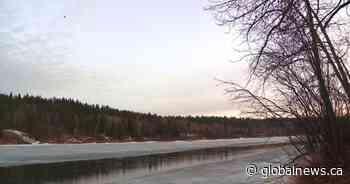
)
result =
(11, 155)
(220, 172)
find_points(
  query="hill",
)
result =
(62, 120)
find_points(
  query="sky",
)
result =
(147, 56)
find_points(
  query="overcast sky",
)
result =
(147, 56)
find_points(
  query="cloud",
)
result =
(97, 55)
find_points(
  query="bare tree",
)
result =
(299, 50)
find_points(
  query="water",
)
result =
(200, 166)
(111, 170)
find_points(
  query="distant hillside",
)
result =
(59, 119)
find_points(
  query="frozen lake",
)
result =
(178, 162)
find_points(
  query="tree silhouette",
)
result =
(298, 58)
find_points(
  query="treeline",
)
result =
(56, 117)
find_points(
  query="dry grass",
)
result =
(344, 179)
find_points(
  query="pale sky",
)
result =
(146, 56)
